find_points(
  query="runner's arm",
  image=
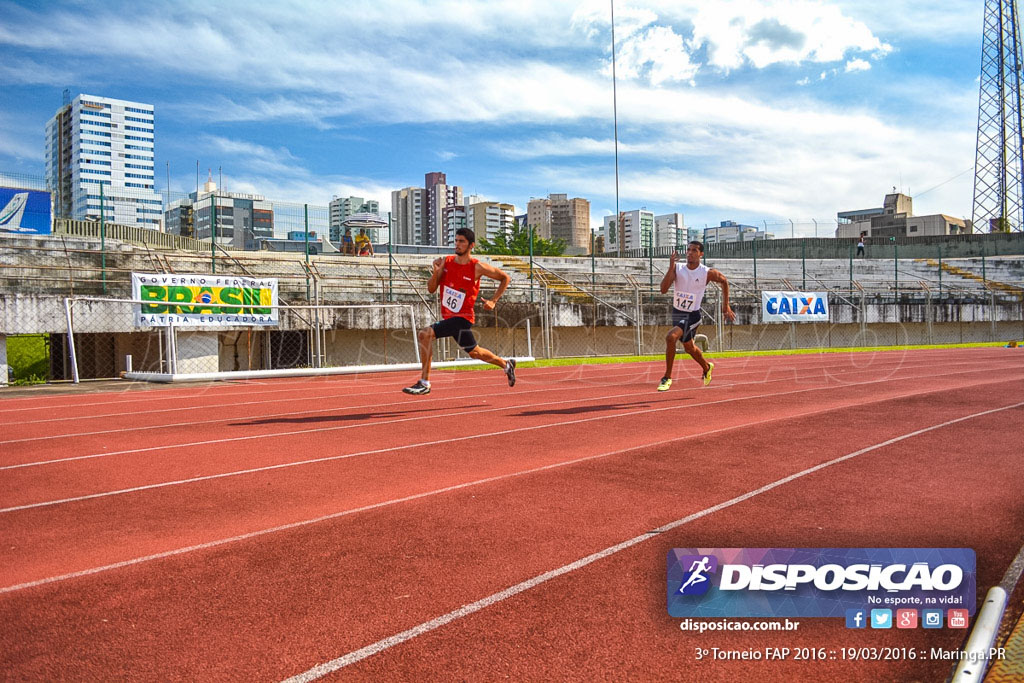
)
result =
(495, 274)
(435, 277)
(666, 281)
(715, 275)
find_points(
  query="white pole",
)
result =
(71, 341)
(415, 339)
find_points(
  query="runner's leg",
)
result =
(671, 339)
(426, 339)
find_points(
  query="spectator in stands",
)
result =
(363, 245)
(347, 246)
(860, 247)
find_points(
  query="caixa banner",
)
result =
(794, 307)
(203, 300)
(817, 582)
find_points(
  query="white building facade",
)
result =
(343, 207)
(490, 219)
(634, 232)
(407, 215)
(95, 142)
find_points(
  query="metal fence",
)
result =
(628, 320)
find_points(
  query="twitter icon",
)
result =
(881, 618)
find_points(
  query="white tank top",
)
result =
(689, 287)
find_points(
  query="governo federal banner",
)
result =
(203, 300)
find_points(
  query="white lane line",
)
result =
(574, 374)
(833, 373)
(267, 468)
(427, 494)
(190, 444)
(304, 399)
(218, 391)
(357, 655)
(244, 389)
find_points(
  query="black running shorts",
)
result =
(688, 322)
(459, 328)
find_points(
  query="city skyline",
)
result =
(735, 110)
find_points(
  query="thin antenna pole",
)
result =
(615, 115)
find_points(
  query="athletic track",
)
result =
(336, 527)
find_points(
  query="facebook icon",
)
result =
(856, 618)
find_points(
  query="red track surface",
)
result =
(253, 531)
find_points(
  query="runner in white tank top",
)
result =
(688, 281)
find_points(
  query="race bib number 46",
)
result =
(452, 299)
(684, 301)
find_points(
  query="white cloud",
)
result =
(857, 65)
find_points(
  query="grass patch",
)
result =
(29, 358)
(607, 360)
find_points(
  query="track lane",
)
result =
(621, 624)
(121, 470)
(315, 591)
(107, 530)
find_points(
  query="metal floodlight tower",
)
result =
(999, 160)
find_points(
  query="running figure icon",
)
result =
(697, 571)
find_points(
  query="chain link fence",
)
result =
(623, 322)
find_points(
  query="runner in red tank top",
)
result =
(458, 278)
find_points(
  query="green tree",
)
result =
(518, 243)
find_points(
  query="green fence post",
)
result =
(390, 259)
(754, 247)
(896, 266)
(803, 260)
(103, 240)
(213, 233)
(851, 268)
(593, 263)
(531, 264)
(650, 265)
(305, 222)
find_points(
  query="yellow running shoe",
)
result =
(666, 382)
(707, 375)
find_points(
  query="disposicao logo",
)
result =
(808, 582)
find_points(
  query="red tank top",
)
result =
(459, 289)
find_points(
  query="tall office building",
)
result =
(94, 142)
(633, 232)
(242, 220)
(343, 207)
(437, 196)
(489, 219)
(407, 222)
(669, 230)
(558, 217)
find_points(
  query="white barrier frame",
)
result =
(170, 347)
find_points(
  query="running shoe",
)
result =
(418, 389)
(707, 375)
(666, 382)
(510, 371)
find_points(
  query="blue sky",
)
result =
(747, 110)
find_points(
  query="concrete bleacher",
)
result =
(55, 264)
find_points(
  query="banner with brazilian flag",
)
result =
(203, 300)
